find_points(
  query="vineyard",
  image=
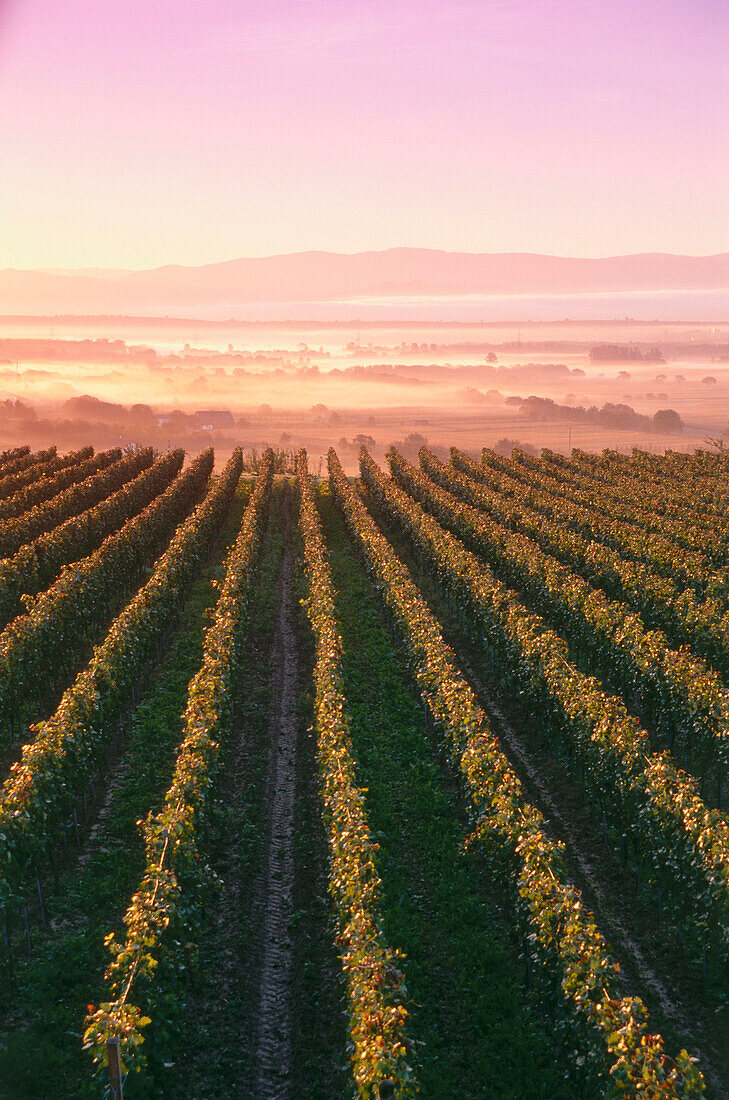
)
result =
(413, 784)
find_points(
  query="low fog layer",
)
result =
(188, 384)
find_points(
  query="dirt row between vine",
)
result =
(273, 1052)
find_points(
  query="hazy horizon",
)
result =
(399, 166)
(311, 252)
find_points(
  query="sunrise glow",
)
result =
(152, 132)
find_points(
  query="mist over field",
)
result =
(193, 382)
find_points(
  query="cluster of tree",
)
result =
(144, 417)
(625, 353)
(15, 409)
(609, 416)
(86, 419)
(361, 440)
(323, 414)
(411, 445)
(505, 446)
(473, 396)
(103, 350)
(93, 408)
(479, 373)
(407, 349)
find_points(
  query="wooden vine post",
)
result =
(116, 1088)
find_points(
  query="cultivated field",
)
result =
(409, 783)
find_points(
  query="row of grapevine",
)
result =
(122, 490)
(661, 554)
(680, 613)
(36, 520)
(648, 495)
(615, 511)
(15, 490)
(684, 843)
(377, 1014)
(10, 458)
(26, 460)
(45, 488)
(688, 512)
(37, 649)
(562, 940)
(670, 468)
(171, 835)
(704, 488)
(42, 788)
(673, 687)
(665, 493)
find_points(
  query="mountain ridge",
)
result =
(318, 276)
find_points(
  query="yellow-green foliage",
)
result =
(375, 988)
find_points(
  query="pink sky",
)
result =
(144, 132)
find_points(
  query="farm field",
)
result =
(190, 383)
(406, 783)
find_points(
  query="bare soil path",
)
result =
(273, 1054)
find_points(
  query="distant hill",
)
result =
(330, 276)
